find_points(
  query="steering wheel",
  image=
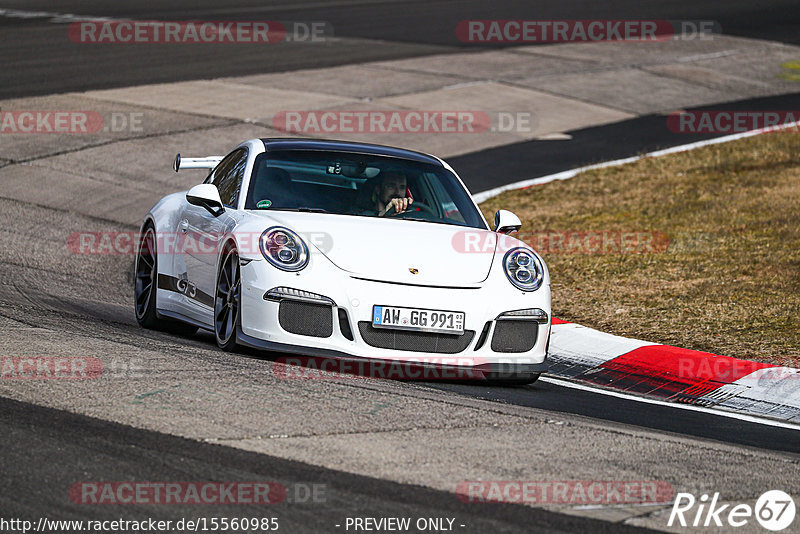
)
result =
(417, 204)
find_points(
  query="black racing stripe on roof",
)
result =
(271, 144)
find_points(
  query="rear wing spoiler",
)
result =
(208, 162)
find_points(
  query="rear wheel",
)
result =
(227, 300)
(146, 280)
(146, 288)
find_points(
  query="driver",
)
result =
(390, 192)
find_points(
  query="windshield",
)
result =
(360, 185)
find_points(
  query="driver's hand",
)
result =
(400, 205)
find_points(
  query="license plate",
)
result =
(446, 322)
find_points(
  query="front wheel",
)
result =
(227, 300)
(514, 379)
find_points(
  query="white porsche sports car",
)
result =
(347, 251)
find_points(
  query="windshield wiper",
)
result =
(303, 209)
(414, 219)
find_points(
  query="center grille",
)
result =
(306, 319)
(385, 338)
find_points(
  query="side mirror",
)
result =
(506, 222)
(206, 196)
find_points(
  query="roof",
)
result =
(271, 144)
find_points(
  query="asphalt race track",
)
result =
(492, 167)
(176, 408)
(38, 58)
(102, 451)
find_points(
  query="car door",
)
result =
(202, 231)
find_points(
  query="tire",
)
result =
(145, 288)
(227, 299)
(520, 379)
(517, 379)
(145, 281)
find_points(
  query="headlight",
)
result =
(524, 269)
(283, 248)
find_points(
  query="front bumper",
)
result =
(321, 361)
(483, 306)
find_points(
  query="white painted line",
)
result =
(565, 175)
(636, 398)
(56, 18)
(712, 55)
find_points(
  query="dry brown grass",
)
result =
(729, 281)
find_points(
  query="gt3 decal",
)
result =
(184, 287)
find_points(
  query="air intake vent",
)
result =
(385, 338)
(484, 335)
(306, 319)
(514, 336)
(344, 324)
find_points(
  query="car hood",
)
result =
(391, 249)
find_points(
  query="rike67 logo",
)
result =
(774, 510)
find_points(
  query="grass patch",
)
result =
(729, 279)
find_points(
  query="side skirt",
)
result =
(168, 314)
